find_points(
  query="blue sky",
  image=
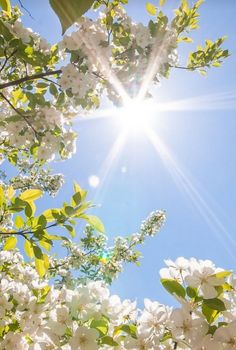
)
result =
(202, 142)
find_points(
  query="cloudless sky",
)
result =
(202, 143)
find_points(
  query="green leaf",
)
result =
(29, 249)
(162, 2)
(69, 11)
(40, 267)
(76, 199)
(37, 252)
(2, 196)
(100, 325)
(215, 304)
(151, 9)
(30, 195)
(95, 222)
(108, 341)
(6, 6)
(222, 274)
(186, 39)
(49, 214)
(19, 222)
(69, 210)
(173, 287)
(71, 230)
(130, 329)
(191, 292)
(210, 314)
(42, 221)
(10, 243)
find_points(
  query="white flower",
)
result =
(226, 335)
(84, 339)
(59, 320)
(14, 341)
(177, 269)
(187, 325)
(153, 318)
(202, 277)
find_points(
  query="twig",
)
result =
(51, 81)
(7, 58)
(30, 77)
(24, 8)
(188, 68)
(25, 232)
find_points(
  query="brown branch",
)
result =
(29, 78)
(188, 68)
(25, 232)
(52, 81)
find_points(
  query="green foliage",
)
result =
(214, 304)
(212, 54)
(6, 6)
(187, 17)
(173, 287)
(69, 11)
(36, 229)
(151, 9)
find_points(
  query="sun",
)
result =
(136, 114)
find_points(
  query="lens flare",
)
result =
(104, 257)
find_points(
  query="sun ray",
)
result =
(153, 67)
(184, 183)
(97, 55)
(109, 165)
(217, 101)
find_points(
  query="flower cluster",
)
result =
(33, 176)
(92, 258)
(35, 315)
(27, 36)
(119, 59)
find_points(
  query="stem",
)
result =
(24, 8)
(7, 58)
(29, 78)
(25, 232)
(188, 68)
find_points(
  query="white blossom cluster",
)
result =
(79, 83)
(48, 120)
(39, 179)
(28, 36)
(112, 61)
(36, 316)
(47, 129)
(6, 218)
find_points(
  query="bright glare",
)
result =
(135, 114)
(94, 181)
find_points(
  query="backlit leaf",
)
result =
(10, 243)
(30, 195)
(151, 9)
(69, 11)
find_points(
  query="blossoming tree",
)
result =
(64, 303)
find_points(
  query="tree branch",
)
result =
(188, 68)
(29, 78)
(24, 8)
(25, 232)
